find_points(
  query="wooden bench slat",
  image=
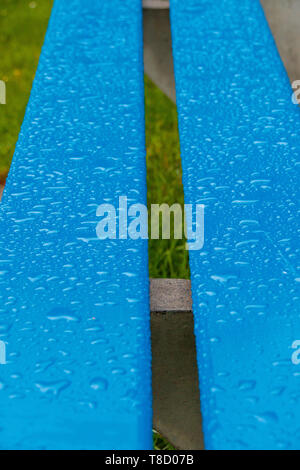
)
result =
(240, 144)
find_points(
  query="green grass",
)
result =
(167, 258)
(160, 443)
(23, 25)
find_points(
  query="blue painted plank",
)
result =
(240, 142)
(74, 310)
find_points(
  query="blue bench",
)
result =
(240, 143)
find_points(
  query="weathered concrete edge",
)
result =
(170, 295)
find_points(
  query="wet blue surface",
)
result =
(240, 147)
(74, 310)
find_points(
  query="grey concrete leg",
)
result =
(170, 295)
(158, 57)
(156, 4)
(176, 401)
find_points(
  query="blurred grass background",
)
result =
(23, 25)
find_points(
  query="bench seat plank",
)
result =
(74, 309)
(240, 141)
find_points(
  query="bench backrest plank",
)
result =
(240, 142)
